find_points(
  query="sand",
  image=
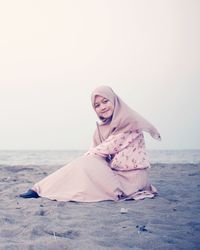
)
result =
(169, 221)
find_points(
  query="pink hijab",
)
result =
(124, 119)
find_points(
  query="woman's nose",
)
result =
(103, 107)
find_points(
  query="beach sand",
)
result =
(169, 221)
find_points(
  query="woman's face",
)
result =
(103, 107)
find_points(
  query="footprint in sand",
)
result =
(15, 169)
(7, 220)
(70, 234)
(194, 174)
(41, 212)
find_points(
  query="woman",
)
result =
(114, 168)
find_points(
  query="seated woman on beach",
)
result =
(114, 168)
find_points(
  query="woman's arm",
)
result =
(113, 144)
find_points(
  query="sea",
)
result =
(62, 157)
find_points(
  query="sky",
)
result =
(54, 53)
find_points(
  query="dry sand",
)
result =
(170, 221)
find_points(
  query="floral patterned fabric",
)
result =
(126, 150)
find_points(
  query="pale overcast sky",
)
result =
(54, 53)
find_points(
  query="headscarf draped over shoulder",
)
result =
(124, 118)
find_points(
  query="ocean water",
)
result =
(62, 157)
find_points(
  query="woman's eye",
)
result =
(96, 106)
(105, 101)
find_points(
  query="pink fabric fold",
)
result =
(124, 118)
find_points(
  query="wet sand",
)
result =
(169, 221)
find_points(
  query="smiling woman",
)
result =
(103, 107)
(114, 168)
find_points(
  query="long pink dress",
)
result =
(92, 178)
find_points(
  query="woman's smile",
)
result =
(103, 107)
